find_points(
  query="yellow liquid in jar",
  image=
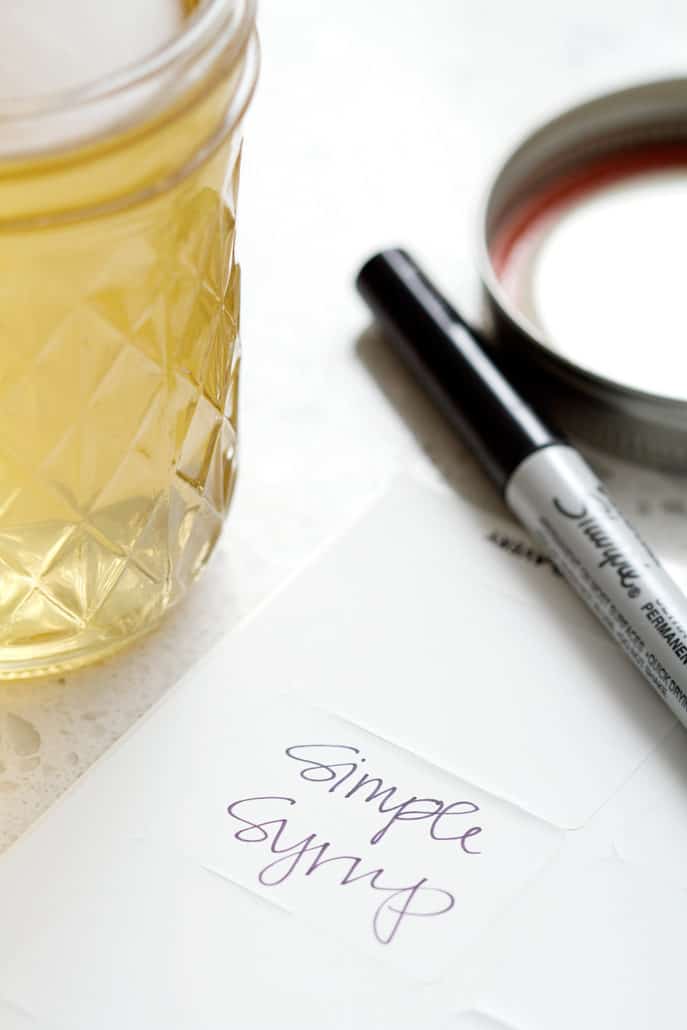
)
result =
(118, 381)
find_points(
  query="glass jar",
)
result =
(119, 342)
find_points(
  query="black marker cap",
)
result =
(447, 358)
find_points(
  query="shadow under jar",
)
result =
(119, 345)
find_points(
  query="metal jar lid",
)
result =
(646, 427)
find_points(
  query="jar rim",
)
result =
(219, 26)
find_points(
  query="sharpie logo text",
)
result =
(611, 556)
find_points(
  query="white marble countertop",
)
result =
(374, 124)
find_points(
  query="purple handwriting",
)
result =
(263, 822)
(321, 766)
(260, 826)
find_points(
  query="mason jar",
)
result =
(119, 340)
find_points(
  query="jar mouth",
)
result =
(218, 31)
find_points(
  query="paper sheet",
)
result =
(597, 944)
(356, 810)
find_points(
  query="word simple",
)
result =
(323, 765)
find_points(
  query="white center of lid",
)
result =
(51, 45)
(607, 282)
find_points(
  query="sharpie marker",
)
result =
(544, 481)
